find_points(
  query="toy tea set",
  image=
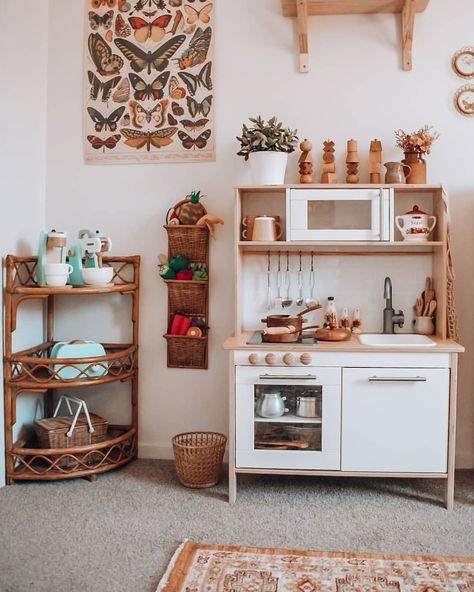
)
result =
(79, 264)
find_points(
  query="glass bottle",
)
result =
(330, 315)
(357, 321)
(344, 321)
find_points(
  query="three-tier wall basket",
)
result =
(188, 297)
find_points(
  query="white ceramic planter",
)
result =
(268, 168)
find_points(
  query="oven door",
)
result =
(289, 441)
(339, 214)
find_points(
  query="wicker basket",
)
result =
(186, 352)
(187, 297)
(198, 458)
(188, 240)
(51, 433)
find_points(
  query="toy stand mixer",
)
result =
(52, 249)
(87, 252)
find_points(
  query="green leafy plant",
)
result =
(264, 136)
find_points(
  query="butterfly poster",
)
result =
(148, 81)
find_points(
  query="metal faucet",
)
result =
(390, 319)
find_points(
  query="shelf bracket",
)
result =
(408, 22)
(302, 24)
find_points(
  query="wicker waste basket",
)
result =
(198, 458)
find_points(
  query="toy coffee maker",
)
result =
(52, 249)
(86, 253)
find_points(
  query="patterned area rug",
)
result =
(197, 567)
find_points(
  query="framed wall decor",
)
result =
(148, 81)
(464, 100)
(463, 62)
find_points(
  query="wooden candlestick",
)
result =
(375, 161)
(329, 164)
(352, 162)
(306, 162)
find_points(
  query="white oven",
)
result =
(290, 441)
(340, 214)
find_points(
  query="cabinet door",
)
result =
(395, 419)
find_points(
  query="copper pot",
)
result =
(290, 337)
(295, 321)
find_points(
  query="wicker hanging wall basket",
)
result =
(188, 240)
(198, 458)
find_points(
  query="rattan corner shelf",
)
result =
(33, 371)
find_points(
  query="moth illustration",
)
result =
(124, 5)
(175, 91)
(172, 120)
(107, 63)
(177, 109)
(195, 15)
(193, 82)
(189, 29)
(144, 90)
(98, 143)
(202, 108)
(196, 53)
(97, 86)
(158, 59)
(194, 126)
(122, 29)
(97, 20)
(122, 94)
(175, 3)
(98, 3)
(154, 30)
(157, 138)
(155, 115)
(140, 5)
(200, 142)
(105, 122)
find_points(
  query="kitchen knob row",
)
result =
(289, 359)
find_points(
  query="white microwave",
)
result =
(339, 214)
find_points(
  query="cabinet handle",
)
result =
(287, 377)
(397, 378)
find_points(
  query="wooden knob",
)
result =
(306, 145)
(270, 359)
(305, 359)
(253, 358)
(289, 359)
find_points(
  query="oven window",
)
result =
(340, 214)
(288, 417)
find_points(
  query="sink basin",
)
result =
(399, 340)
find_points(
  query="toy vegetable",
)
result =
(187, 274)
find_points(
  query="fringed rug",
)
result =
(196, 567)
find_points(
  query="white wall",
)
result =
(355, 89)
(24, 48)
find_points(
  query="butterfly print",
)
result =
(196, 108)
(122, 29)
(144, 30)
(122, 94)
(105, 122)
(177, 109)
(155, 115)
(140, 5)
(96, 20)
(175, 3)
(124, 6)
(144, 90)
(107, 63)
(200, 142)
(196, 53)
(189, 29)
(195, 15)
(194, 126)
(177, 22)
(98, 143)
(172, 120)
(193, 82)
(158, 59)
(98, 3)
(175, 91)
(97, 86)
(158, 138)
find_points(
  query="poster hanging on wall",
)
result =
(148, 81)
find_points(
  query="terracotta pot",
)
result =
(418, 168)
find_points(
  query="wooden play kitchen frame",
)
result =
(302, 9)
(391, 363)
(33, 371)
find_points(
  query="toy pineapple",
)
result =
(190, 210)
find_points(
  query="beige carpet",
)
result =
(211, 568)
(119, 534)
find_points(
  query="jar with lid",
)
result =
(344, 321)
(330, 314)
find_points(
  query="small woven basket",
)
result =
(187, 296)
(198, 458)
(186, 352)
(188, 240)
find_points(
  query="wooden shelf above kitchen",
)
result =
(340, 247)
(302, 9)
(399, 188)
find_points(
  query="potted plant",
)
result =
(267, 145)
(415, 145)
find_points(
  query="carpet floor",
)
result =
(118, 534)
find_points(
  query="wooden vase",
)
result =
(417, 163)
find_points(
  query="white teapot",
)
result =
(415, 225)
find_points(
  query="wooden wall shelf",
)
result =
(302, 9)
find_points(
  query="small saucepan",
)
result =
(283, 334)
(294, 321)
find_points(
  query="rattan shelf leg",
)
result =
(92, 478)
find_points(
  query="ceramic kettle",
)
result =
(271, 404)
(266, 228)
(415, 225)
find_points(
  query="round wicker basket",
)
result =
(198, 458)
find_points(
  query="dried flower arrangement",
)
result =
(419, 141)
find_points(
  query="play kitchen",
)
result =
(339, 365)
